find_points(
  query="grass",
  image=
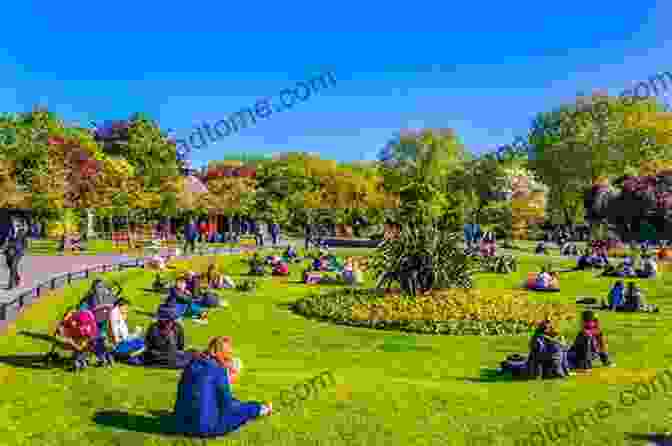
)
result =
(391, 388)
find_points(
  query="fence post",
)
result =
(86, 273)
(53, 284)
(69, 278)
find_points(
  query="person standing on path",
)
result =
(190, 236)
(15, 248)
(308, 235)
(275, 233)
(259, 234)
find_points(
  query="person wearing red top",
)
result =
(203, 229)
(591, 341)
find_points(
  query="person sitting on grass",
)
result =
(182, 301)
(616, 296)
(98, 294)
(649, 267)
(290, 253)
(203, 297)
(256, 265)
(164, 342)
(547, 353)
(205, 406)
(634, 299)
(125, 345)
(280, 269)
(216, 280)
(590, 341)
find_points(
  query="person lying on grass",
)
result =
(164, 342)
(205, 406)
(125, 344)
(182, 301)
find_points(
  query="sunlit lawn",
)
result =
(392, 388)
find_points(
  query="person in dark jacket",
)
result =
(15, 247)
(205, 406)
(164, 342)
(183, 303)
(309, 235)
(190, 236)
(589, 344)
(548, 354)
(275, 233)
(98, 294)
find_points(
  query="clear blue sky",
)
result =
(483, 69)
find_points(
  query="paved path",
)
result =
(37, 269)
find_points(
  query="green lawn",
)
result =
(392, 388)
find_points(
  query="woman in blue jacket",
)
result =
(205, 406)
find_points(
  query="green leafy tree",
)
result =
(416, 167)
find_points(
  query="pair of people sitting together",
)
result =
(629, 299)
(550, 357)
(190, 301)
(543, 281)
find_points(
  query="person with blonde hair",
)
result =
(205, 406)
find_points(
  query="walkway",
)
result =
(38, 269)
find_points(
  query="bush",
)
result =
(454, 312)
(450, 266)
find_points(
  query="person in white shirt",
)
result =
(125, 344)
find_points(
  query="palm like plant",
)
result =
(450, 266)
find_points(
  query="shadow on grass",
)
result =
(29, 361)
(145, 313)
(160, 423)
(653, 439)
(491, 376)
(152, 290)
(50, 339)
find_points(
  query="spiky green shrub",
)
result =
(452, 268)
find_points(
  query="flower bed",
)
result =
(454, 311)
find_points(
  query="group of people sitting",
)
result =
(627, 299)
(543, 281)
(648, 270)
(279, 264)
(101, 319)
(205, 406)
(348, 271)
(592, 259)
(551, 357)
